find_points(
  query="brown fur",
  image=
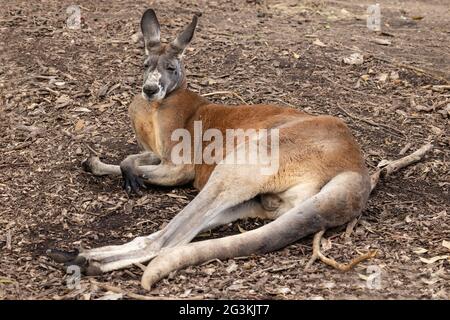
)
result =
(321, 146)
(321, 180)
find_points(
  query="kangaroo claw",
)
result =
(132, 183)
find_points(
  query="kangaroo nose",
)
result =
(150, 90)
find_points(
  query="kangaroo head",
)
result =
(163, 66)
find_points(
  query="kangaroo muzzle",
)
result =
(152, 88)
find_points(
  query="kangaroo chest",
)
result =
(154, 123)
(144, 121)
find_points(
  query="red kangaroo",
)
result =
(321, 180)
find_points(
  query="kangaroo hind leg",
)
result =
(339, 201)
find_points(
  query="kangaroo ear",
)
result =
(150, 30)
(184, 38)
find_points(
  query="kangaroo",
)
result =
(321, 179)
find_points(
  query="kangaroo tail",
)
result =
(340, 200)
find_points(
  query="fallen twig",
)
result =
(18, 147)
(225, 92)
(140, 266)
(135, 296)
(430, 73)
(372, 123)
(92, 150)
(398, 164)
(7, 281)
(114, 289)
(353, 90)
(405, 149)
(331, 262)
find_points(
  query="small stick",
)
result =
(8, 240)
(140, 266)
(331, 262)
(7, 280)
(91, 149)
(430, 73)
(132, 295)
(398, 164)
(405, 149)
(225, 92)
(440, 88)
(372, 123)
(18, 147)
(286, 103)
(352, 90)
(392, 167)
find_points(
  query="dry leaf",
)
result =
(365, 77)
(325, 244)
(355, 58)
(420, 251)
(440, 88)
(206, 234)
(232, 267)
(283, 290)
(446, 244)
(383, 42)
(382, 77)
(63, 101)
(296, 56)
(79, 126)
(434, 259)
(383, 163)
(186, 293)
(6, 281)
(437, 131)
(82, 109)
(363, 276)
(209, 271)
(241, 230)
(111, 296)
(236, 287)
(345, 13)
(137, 37)
(319, 43)
(328, 285)
(394, 75)
(431, 281)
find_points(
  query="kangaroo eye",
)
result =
(171, 68)
(146, 65)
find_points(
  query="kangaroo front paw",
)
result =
(132, 182)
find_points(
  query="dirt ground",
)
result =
(64, 92)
